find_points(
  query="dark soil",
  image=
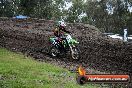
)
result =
(98, 51)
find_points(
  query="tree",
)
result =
(76, 10)
(99, 15)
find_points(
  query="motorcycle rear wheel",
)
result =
(54, 52)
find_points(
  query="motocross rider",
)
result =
(59, 31)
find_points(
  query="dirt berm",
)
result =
(97, 50)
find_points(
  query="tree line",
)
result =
(107, 15)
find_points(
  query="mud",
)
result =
(98, 51)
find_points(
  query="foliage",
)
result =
(108, 15)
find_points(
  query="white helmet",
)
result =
(62, 23)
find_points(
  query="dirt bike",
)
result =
(64, 46)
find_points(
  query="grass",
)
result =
(19, 71)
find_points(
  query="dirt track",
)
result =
(97, 50)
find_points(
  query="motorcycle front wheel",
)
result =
(75, 53)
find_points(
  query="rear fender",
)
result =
(51, 40)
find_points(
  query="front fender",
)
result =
(73, 42)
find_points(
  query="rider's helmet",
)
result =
(61, 24)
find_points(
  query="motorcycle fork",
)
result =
(72, 51)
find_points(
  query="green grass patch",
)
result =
(19, 71)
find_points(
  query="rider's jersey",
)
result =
(60, 31)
